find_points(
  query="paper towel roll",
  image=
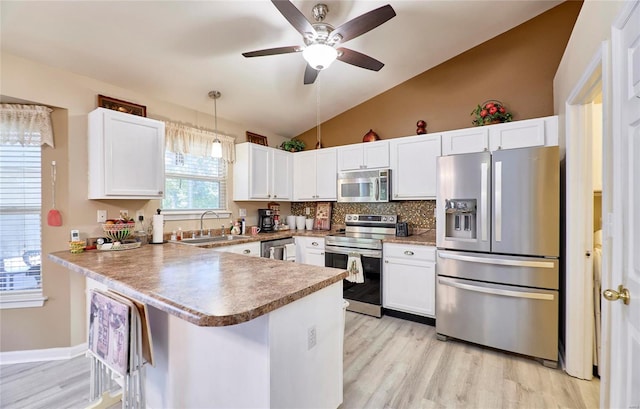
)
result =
(158, 224)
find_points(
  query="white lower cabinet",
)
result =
(310, 250)
(409, 279)
(246, 249)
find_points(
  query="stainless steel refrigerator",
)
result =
(498, 247)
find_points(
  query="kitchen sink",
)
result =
(214, 239)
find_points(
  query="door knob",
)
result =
(622, 294)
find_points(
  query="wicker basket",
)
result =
(119, 231)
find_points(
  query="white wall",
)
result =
(60, 322)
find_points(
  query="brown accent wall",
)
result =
(516, 67)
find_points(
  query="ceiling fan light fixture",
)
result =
(320, 56)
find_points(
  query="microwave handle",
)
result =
(377, 189)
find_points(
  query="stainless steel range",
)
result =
(362, 239)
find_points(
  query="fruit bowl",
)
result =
(119, 231)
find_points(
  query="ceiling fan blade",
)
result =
(294, 17)
(310, 75)
(363, 23)
(359, 59)
(274, 51)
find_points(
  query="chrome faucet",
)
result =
(202, 220)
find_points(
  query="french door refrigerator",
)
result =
(498, 233)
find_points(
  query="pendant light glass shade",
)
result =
(320, 56)
(216, 147)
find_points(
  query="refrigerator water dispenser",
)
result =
(460, 218)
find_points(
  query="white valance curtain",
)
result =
(26, 125)
(187, 139)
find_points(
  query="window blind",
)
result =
(194, 182)
(20, 218)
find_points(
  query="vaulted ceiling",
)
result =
(180, 50)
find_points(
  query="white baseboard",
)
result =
(38, 355)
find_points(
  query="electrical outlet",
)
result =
(311, 337)
(102, 216)
(307, 211)
(75, 235)
(139, 214)
(435, 212)
(124, 214)
(242, 212)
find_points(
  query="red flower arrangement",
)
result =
(491, 112)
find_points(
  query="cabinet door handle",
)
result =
(322, 254)
(315, 243)
(386, 261)
(160, 192)
(247, 251)
(409, 253)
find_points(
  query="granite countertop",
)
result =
(206, 288)
(421, 237)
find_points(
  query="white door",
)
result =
(624, 330)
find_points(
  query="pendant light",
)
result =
(216, 147)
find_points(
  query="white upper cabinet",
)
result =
(522, 134)
(314, 175)
(261, 173)
(367, 155)
(508, 135)
(465, 140)
(413, 166)
(126, 156)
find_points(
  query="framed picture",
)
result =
(323, 216)
(121, 106)
(255, 138)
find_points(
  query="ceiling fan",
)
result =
(321, 38)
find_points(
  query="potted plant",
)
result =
(490, 112)
(292, 145)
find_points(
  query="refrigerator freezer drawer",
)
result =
(512, 270)
(517, 319)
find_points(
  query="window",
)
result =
(20, 213)
(23, 129)
(194, 182)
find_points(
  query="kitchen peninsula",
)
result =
(229, 330)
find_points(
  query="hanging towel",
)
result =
(272, 253)
(290, 252)
(354, 268)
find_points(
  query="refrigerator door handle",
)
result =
(498, 201)
(495, 291)
(484, 191)
(496, 261)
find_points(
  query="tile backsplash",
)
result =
(418, 213)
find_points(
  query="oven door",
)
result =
(364, 298)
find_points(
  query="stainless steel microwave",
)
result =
(365, 186)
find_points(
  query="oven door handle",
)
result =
(346, 251)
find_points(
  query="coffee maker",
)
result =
(265, 220)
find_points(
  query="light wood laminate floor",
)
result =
(388, 363)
